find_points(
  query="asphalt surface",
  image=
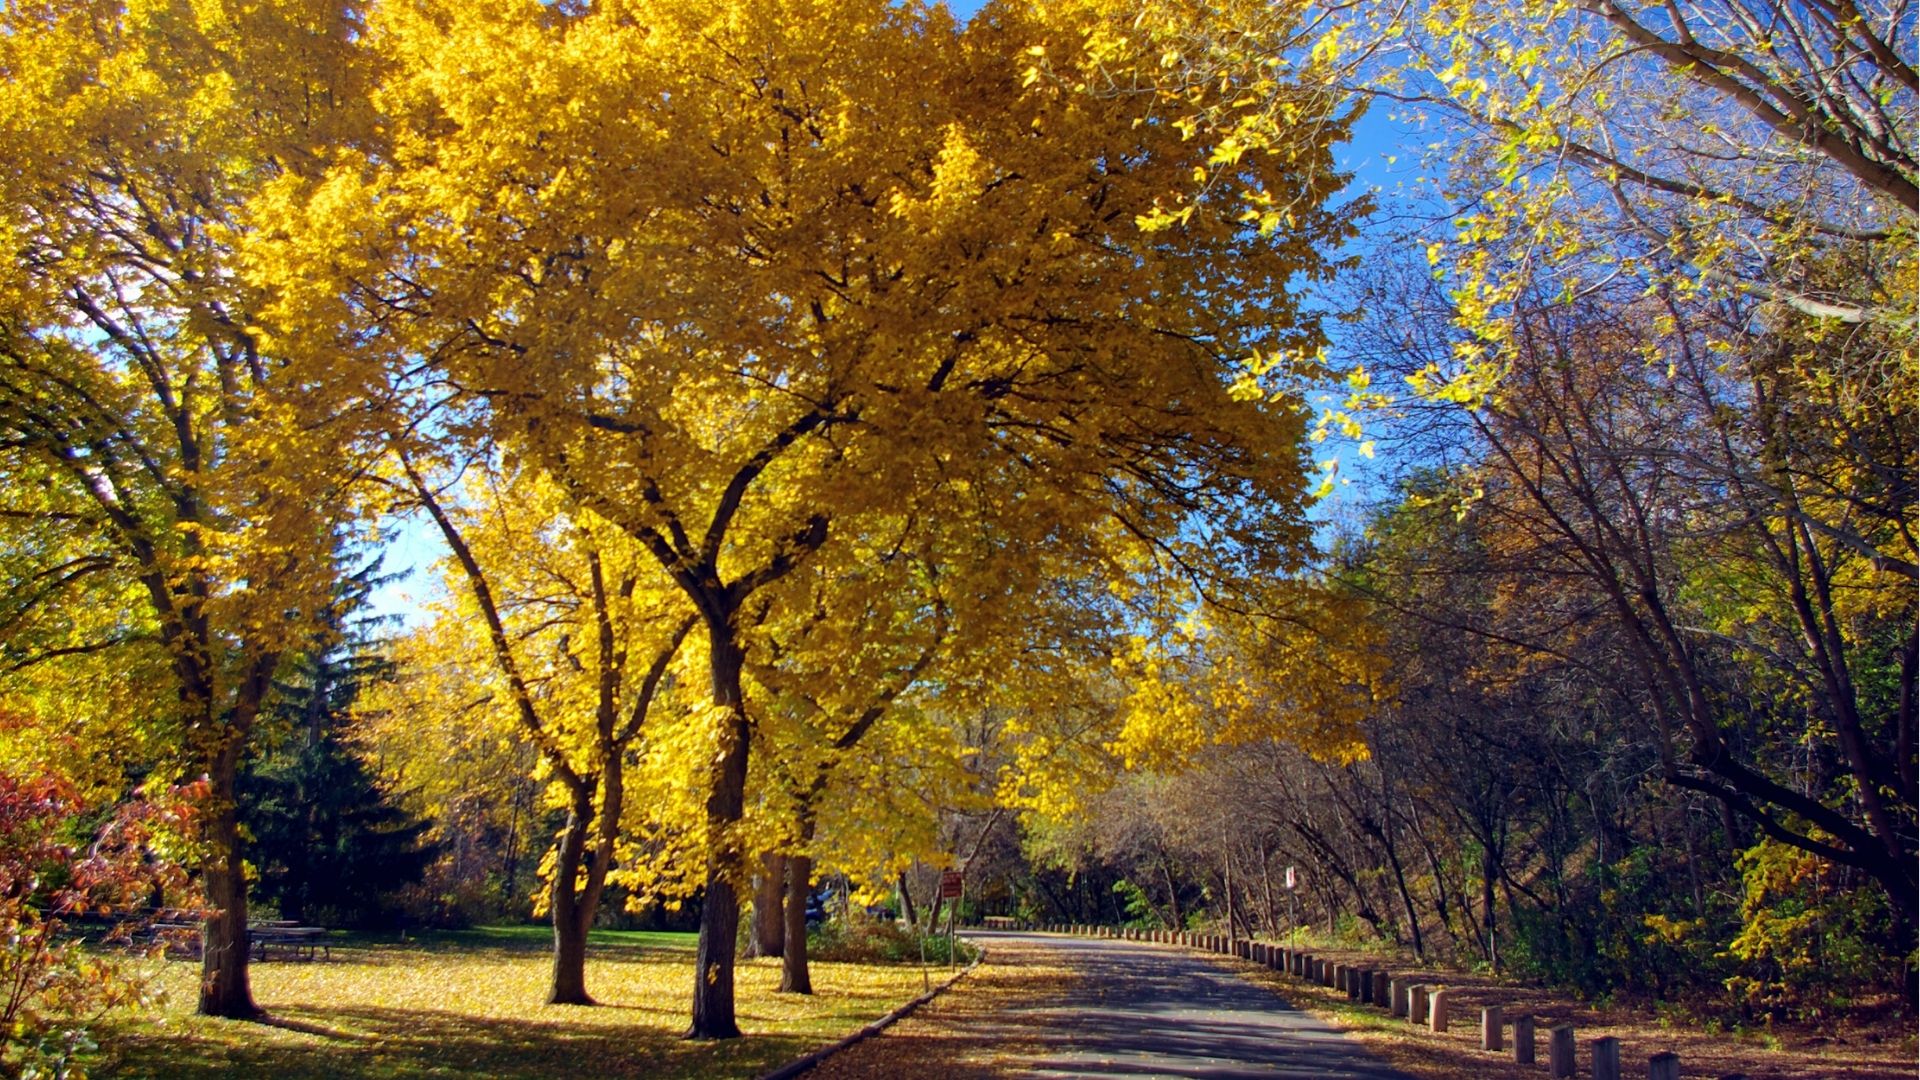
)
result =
(1142, 1010)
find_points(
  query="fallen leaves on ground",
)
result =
(472, 1008)
(971, 1031)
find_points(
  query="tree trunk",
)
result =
(1226, 874)
(1489, 869)
(769, 921)
(906, 901)
(795, 978)
(570, 921)
(224, 987)
(1173, 890)
(713, 1015)
(569, 961)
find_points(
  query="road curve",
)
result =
(1143, 1010)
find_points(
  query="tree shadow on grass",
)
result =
(376, 1042)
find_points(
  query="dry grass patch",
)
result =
(469, 1005)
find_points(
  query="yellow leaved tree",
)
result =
(751, 280)
(195, 473)
(569, 631)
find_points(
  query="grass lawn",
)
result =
(468, 1004)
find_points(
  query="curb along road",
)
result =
(803, 1064)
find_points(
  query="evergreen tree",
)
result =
(328, 844)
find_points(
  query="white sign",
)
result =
(1290, 881)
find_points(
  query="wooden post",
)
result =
(1664, 1066)
(1417, 1004)
(1437, 1015)
(1326, 973)
(1357, 978)
(1523, 1040)
(1491, 1023)
(1398, 991)
(1380, 997)
(1606, 1058)
(1560, 1052)
(1339, 976)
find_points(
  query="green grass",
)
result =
(467, 1003)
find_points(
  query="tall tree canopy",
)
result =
(754, 279)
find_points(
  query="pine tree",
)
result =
(329, 844)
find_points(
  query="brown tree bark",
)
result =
(769, 920)
(572, 916)
(225, 987)
(795, 976)
(906, 900)
(713, 1016)
(225, 990)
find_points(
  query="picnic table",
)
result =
(263, 938)
(289, 939)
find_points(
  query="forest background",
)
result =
(966, 477)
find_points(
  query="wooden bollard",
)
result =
(1664, 1066)
(1379, 996)
(1438, 1017)
(1606, 1058)
(1400, 991)
(1560, 1052)
(1491, 1025)
(1339, 976)
(1297, 966)
(1417, 1004)
(1357, 978)
(1523, 1040)
(1326, 973)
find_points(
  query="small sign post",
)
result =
(1293, 919)
(951, 883)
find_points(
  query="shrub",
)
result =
(51, 986)
(879, 942)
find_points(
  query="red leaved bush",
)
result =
(52, 985)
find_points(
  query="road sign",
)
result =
(950, 884)
(1290, 881)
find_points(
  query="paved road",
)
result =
(1144, 1010)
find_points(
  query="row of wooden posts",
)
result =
(1418, 1003)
